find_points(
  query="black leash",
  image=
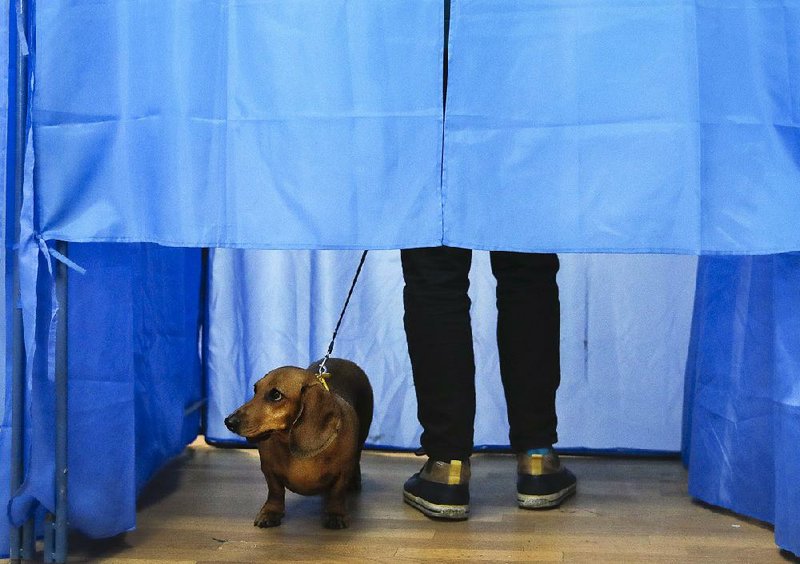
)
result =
(322, 369)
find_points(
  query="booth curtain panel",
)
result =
(743, 390)
(272, 308)
(624, 125)
(282, 124)
(6, 264)
(134, 375)
(602, 126)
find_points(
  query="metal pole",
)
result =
(22, 538)
(61, 526)
(49, 537)
(55, 524)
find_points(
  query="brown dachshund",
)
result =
(310, 432)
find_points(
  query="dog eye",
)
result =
(274, 395)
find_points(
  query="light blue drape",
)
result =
(282, 124)
(624, 125)
(271, 308)
(614, 125)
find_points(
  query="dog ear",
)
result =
(317, 423)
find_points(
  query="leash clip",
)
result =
(322, 374)
(322, 378)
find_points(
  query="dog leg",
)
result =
(355, 479)
(335, 501)
(273, 509)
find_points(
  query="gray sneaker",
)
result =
(542, 482)
(440, 490)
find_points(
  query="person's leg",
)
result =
(439, 336)
(528, 341)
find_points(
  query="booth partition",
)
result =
(630, 137)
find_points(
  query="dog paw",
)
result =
(334, 521)
(269, 519)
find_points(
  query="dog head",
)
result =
(292, 400)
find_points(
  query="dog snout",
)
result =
(233, 422)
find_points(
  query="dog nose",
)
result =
(232, 422)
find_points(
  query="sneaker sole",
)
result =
(549, 501)
(436, 511)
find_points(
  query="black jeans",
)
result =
(439, 335)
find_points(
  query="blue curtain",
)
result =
(743, 390)
(614, 125)
(624, 125)
(271, 308)
(134, 370)
(6, 257)
(282, 124)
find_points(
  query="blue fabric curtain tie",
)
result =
(72, 265)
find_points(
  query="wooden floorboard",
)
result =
(201, 507)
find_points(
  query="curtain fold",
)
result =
(6, 265)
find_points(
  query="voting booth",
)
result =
(189, 186)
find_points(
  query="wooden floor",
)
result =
(201, 508)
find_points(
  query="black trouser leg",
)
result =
(439, 336)
(528, 340)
